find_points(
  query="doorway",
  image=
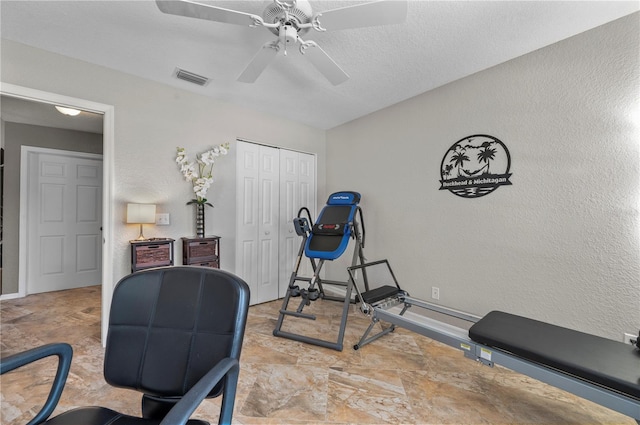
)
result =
(107, 112)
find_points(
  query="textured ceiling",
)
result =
(440, 42)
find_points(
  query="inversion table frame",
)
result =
(350, 229)
(379, 302)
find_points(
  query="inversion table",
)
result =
(597, 369)
(338, 222)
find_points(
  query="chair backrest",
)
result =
(169, 326)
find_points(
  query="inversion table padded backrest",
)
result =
(608, 363)
(330, 235)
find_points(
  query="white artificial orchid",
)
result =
(208, 158)
(201, 177)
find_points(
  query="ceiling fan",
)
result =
(288, 20)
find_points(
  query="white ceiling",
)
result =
(440, 42)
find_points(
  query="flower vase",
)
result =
(199, 220)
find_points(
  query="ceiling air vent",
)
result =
(181, 74)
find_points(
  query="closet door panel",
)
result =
(268, 229)
(307, 182)
(289, 206)
(297, 190)
(247, 214)
(307, 194)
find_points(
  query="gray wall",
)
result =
(151, 120)
(16, 136)
(561, 244)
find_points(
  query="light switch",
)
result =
(162, 219)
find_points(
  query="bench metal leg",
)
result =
(374, 320)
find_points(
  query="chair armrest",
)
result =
(182, 411)
(64, 353)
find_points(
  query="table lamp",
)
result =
(141, 214)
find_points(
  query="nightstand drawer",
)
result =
(152, 253)
(201, 251)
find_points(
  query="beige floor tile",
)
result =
(402, 378)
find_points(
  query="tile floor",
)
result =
(403, 378)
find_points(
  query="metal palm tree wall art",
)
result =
(475, 166)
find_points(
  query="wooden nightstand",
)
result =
(201, 251)
(151, 253)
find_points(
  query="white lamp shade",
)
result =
(141, 213)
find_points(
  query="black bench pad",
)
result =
(379, 294)
(608, 363)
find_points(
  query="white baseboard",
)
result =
(11, 296)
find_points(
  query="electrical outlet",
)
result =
(628, 337)
(162, 219)
(435, 293)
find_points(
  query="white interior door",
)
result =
(258, 191)
(268, 229)
(247, 172)
(307, 195)
(297, 190)
(64, 220)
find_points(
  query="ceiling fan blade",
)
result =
(324, 63)
(259, 62)
(203, 11)
(382, 12)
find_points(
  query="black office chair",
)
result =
(175, 334)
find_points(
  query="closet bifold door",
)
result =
(297, 190)
(272, 185)
(257, 197)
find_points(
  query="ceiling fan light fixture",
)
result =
(67, 111)
(297, 13)
(291, 19)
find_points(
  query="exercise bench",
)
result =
(601, 370)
